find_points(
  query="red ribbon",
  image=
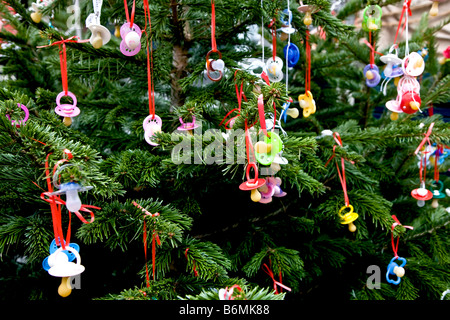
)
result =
(372, 49)
(396, 223)
(338, 140)
(63, 58)
(56, 202)
(425, 139)
(267, 270)
(155, 238)
(194, 268)
(274, 38)
(308, 64)
(213, 27)
(439, 150)
(129, 19)
(151, 86)
(406, 7)
(239, 94)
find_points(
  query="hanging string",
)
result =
(127, 15)
(151, 86)
(288, 46)
(239, 94)
(406, 7)
(342, 178)
(395, 246)
(262, 31)
(269, 272)
(308, 64)
(213, 27)
(439, 150)
(63, 58)
(425, 139)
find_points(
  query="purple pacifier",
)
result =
(372, 78)
(131, 39)
(20, 122)
(67, 110)
(188, 125)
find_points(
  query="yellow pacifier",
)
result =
(348, 217)
(307, 103)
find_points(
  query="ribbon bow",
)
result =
(396, 223)
(267, 270)
(406, 7)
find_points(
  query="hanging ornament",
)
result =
(62, 251)
(308, 10)
(37, 7)
(394, 269)
(348, 217)
(130, 33)
(372, 18)
(227, 294)
(422, 194)
(274, 65)
(100, 35)
(19, 123)
(287, 111)
(392, 69)
(434, 11)
(306, 100)
(66, 110)
(152, 123)
(187, 126)
(371, 22)
(239, 94)
(437, 186)
(214, 68)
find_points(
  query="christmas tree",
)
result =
(206, 150)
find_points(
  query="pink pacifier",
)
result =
(188, 125)
(67, 110)
(266, 191)
(152, 124)
(131, 39)
(20, 122)
(277, 190)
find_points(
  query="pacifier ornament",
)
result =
(372, 75)
(394, 269)
(265, 151)
(307, 103)
(437, 193)
(274, 67)
(37, 6)
(152, 124)
(308, 10)
(214, 68)
(100, 35)
(292, 112)
(372, 18)
(52, 249)
(131, 39)
(253, 184)
(187, 126)
(68, 111)
(349, 217)
(61, 267)
(292, 54)
(435, 8)
(421, 195)
(19, 123)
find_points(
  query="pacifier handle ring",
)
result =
(63, 94)
(75, 252)
(255, 168)
(210, 68)
(56, 174)
(345, 207)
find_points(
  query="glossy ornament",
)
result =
(151, 124)
(394, 269)
(372, 18)
(131, 39)
(349, 217)
(266, 150)
(307, 103)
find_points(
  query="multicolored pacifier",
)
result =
(152, 124)
(274, 67)
(131, 39)
(265, 151)
(371, 18)
(348, 217)
(214, 67)
(53, 247)
(395, 270)
(253, 184)
(307, 103)
(437, 193)
(372, 75)
(19, 123)
(391, 60)
(421, 195)
(266, 191)
(292, 112)
(67, 110)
